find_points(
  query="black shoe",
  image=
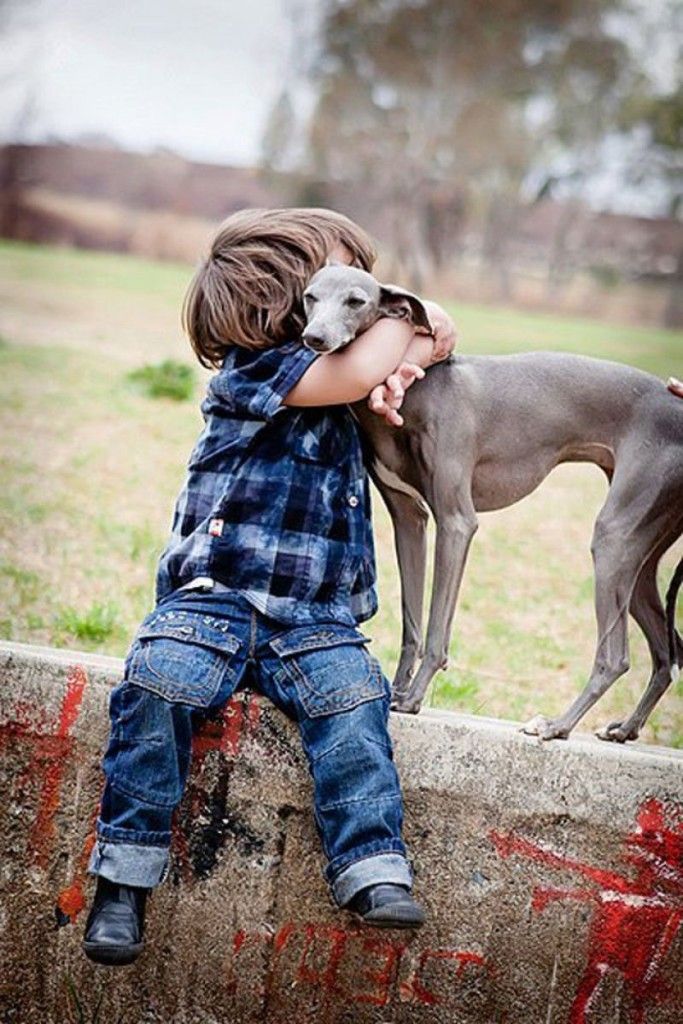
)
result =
(113, 931)
(387, 906)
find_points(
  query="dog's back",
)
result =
(509, 419)
(548, 398)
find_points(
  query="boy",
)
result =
(267, 573)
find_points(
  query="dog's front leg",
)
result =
(409, 517)
(454, 533)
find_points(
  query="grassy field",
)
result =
(91, 468)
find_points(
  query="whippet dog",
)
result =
(480, 433)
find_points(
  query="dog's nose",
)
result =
(313, 342)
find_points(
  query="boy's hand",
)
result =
(444, 331)
(428, 349)
(385, 399)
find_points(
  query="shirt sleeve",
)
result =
(255, 383)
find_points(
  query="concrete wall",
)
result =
(552, 874)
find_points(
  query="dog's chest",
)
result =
(390, 478)
(392, 462)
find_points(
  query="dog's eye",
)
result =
(310, 298)
(354, 302)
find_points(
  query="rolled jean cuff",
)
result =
(129, 863)
(379, 868)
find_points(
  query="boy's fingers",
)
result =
(410, 372)
(381, 406)
(393, 382)
(377, 397)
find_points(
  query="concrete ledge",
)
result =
(552, 874)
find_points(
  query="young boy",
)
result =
(267, 573)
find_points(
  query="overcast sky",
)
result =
(198, 76)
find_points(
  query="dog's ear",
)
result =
(403, 305)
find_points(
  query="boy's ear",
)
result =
(329, 262)
(403, 305)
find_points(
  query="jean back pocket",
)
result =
(183, 656)
(330, 668)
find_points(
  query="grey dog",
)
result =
(480, 433)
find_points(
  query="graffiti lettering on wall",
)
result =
(636, 915)
(327, 957)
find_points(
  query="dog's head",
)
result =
(341, 301)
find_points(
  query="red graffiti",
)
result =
(325, 976)
(389, 953)
(71, 900)
(28, 722)
(52, 747)
(51, 750)
(55, 750)
(415, 990)
(636, 915)
(323, 956)
(227, 732)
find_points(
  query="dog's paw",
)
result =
(401, 684)
(544, 728)
(616, 733)
(405, 706)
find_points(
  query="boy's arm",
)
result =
(350, 374)
(386, 398)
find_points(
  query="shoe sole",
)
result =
(112, 956)
(395, 916)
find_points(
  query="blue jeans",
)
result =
(189, 656)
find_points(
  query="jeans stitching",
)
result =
(140, 794)
(396, 846)
(252, 635)
(361, 800)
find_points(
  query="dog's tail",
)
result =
(671, 595)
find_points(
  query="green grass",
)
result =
(168, 379)
(495, 330)
(39, 265)
(91, 467)
(95, 624)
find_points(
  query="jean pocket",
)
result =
(183, 656)
(330, 668)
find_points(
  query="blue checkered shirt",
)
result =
(276, 504)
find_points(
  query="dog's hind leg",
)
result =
(627, 533)
(409, 517)
(648, 611)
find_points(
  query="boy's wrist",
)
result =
(420, 351)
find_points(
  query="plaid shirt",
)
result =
(276, 503)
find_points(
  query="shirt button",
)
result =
(353, 500)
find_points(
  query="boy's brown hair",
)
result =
(248, 290)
